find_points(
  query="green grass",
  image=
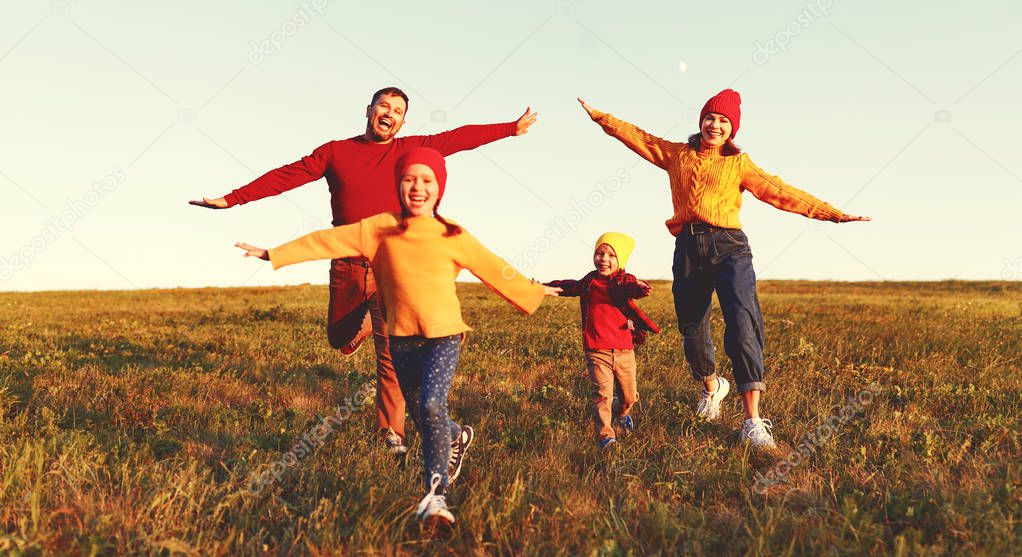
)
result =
(133, 422)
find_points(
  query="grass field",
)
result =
(139, 422)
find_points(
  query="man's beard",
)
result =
(376, 136)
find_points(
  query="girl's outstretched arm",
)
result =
(252, 251)
(650, 147)
(350, 240)
(500, 276)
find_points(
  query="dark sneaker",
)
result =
(354, 345)
(393, 442)
(626, 423)
(458, 448)
(607, 443)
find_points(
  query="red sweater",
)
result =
(360, 173)
(606, 303)
(606, 327)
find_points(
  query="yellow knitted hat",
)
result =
(622, 244)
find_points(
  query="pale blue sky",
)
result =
(167, 102)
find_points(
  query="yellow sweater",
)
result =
(706, 186)
(415, 270)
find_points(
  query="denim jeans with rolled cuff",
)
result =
(708, 259)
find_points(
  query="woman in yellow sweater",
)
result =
(416, 255)
(708, 174)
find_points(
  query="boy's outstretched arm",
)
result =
(569, 288)
(634, 288)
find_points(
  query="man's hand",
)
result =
(252, 251)
(527, 119)
(589, 109)
(850, 218)
(218, 203)
(644, 286)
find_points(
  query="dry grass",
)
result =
(132, 422)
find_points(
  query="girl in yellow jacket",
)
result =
(416, 255)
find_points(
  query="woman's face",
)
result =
(715, 129)
(419, 189)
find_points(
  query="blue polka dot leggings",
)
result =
(427, 365)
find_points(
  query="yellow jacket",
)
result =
(706, 186)
(415, 270)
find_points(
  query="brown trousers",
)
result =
(604, 366)
(355, 311)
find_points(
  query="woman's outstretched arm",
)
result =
(773, 190)
(650, 147)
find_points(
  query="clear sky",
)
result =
(114, 114)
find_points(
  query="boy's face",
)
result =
(605, 260)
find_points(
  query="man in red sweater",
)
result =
(360, 174)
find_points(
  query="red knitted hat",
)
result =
(729, 103)
(427, 156)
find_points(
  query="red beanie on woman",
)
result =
(729, 103)
(427, 156)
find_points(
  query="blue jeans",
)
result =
(427, 365)
(719, 259)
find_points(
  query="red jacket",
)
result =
(623, 288)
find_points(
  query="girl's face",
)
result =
(419, 189)
(715, 129)
(605, 260)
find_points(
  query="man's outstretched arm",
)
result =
(275, 182)
(476, 135)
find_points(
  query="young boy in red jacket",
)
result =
(612, 326)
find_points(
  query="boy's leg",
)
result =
(439, 362)
(600, 364)
(624, 370)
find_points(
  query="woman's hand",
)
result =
(850, 218)
(588, 109)
(252, 251)
(525, 120)
(218, 203)
(644, 286)
(552, 290)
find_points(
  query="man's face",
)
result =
(385, 118)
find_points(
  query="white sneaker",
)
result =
(756, 431)
(709, 404)
(433, 507)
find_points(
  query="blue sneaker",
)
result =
(607, 443)
(626, 423)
